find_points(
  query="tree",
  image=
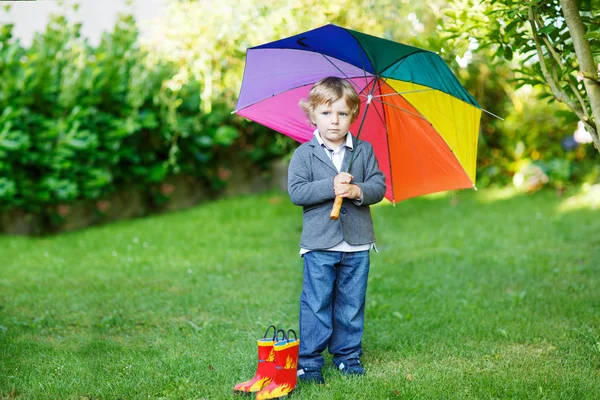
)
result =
(554, 41)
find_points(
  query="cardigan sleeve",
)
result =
(373, 186)
(302, 190)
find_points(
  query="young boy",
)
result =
(335, 252)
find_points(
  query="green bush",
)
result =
(531, 131)
(80, 122)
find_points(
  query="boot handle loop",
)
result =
(284, 336)
(294, 332)
(274, 331)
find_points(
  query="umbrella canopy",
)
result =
(421, 121)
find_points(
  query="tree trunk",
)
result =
(587, 64)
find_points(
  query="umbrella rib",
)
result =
(429, 90)
(384, 81)
(369, 96)
(426, 51)
(388, 148)
(449, 148)
(338, 68)
(278, 93)
(401, 109)
(347, 77)
(381, 118)
(358, 136)
(369, 100)
(399, 93)
(404, 57)
(387, 138)
(312, 83)
(362, 61)
(492, 114)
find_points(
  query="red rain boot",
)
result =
(286, 360)
(265, 371)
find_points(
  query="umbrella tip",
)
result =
(234, 111)
(475, 187)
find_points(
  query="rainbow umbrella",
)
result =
(421, 121)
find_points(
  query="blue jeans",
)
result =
(332, 306)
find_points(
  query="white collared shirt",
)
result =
(337, 157)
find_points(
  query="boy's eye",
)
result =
(325, 113)
(343, 114)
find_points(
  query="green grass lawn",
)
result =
(473, 295)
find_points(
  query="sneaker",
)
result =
(351, 367)
(310, 375)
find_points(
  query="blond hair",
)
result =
(328, 91)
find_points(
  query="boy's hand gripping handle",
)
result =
(335, 210)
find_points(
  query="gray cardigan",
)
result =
(310, 185)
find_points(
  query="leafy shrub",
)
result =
(79, 122)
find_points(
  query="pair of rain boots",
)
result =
(277, 363)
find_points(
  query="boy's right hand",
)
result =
(342, 177)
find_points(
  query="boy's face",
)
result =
(333, 122)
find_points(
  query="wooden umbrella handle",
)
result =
(335, 210)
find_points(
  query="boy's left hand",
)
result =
(348, 190)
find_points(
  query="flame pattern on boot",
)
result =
(289, 363)
(271, 357)
(265, 371)
(286, 361)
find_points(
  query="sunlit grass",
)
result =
(473, 295)
(586, 198)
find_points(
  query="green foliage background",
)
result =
(499, 36)
(79, 122)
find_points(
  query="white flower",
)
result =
(581, 135)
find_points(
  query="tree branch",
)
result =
(579, 97)
(558, 93)
(559, 62)
(591, 77)
(585, 58)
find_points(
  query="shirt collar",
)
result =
(349, 143)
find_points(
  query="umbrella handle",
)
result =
(335, 210)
